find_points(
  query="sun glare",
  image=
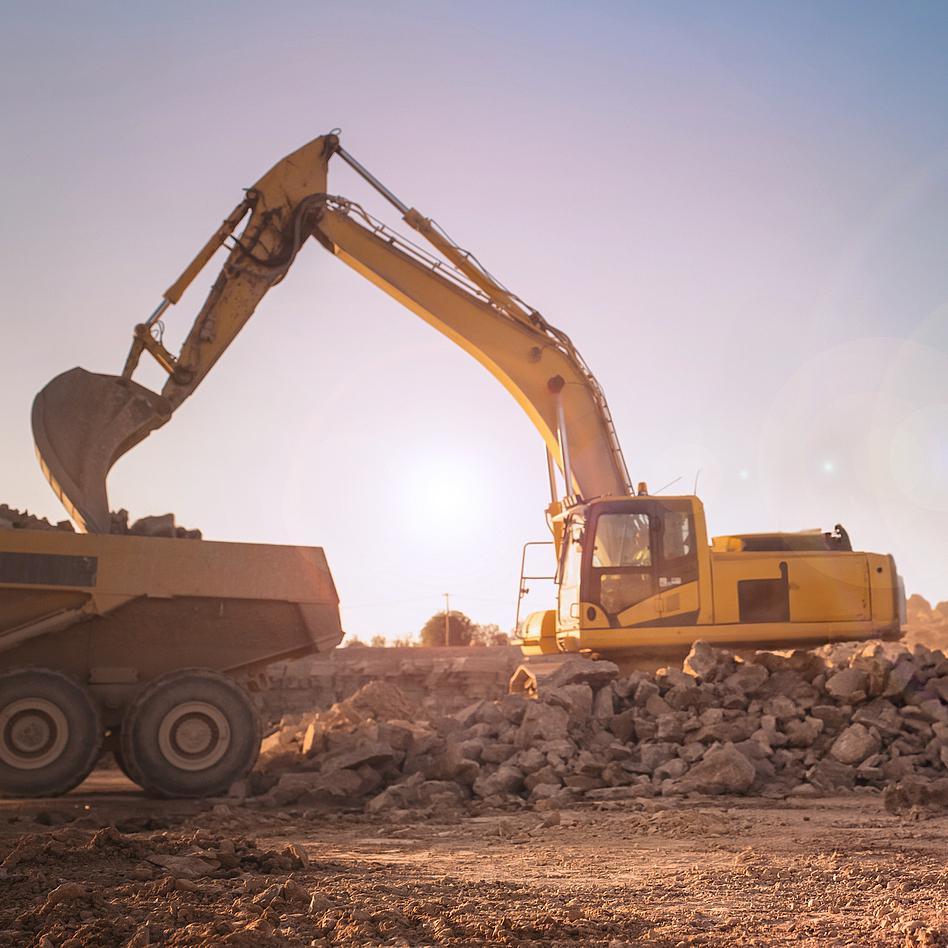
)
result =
(443, 494)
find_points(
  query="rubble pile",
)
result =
(926, 624)
(440, 679)
(162, 525)
(780, 724)
(13, 519)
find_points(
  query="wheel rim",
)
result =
(194, 735)
(34, 733)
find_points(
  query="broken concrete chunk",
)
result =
(723, 769)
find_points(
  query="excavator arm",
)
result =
(84, 422)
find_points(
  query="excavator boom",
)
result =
(84, 422)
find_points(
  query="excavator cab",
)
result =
(83, 423)
(627, 563)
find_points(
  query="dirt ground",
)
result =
(106, 866)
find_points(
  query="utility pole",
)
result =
(447, 620)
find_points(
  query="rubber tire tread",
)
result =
(84, 753)
(159, 778)
(120, 763)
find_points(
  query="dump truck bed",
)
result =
(122, 608)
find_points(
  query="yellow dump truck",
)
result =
(144, 643)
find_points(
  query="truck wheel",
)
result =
(50, 733)
(190, 733)
(120, 763)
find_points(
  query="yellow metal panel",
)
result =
(828, 587)
(883, 589)
(756, 635)
(678, 600)
(727, 569)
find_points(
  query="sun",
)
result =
(443, 494)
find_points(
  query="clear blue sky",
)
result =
(736, 210)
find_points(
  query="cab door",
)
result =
(569, 574)
(622, 563)
(642, 562)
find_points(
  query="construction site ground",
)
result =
(107, 866)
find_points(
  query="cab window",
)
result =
(622, 571)
(622, 539)
(676, 534)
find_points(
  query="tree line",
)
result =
(460, 630)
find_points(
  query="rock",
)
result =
(708, 663)
(723, 769)
(747, 679)
(542, 722)
(504, 780)
(401, 795)
(654, 755)
(339, 786)
(184, 867)
(644, 691)
(855, 744)
(534, 678)
(671, 769)
(900, 678)
(380, 700)
(657, 706)
(829, 775)
(375, 754)
(497, 753)
(576, 698)
(631, 792)
(832, 716)
(546, 775)
(683, 697)
(692, 751)
(880, 714)
(604, 704)
(782, 708)
(155, 526)
(805, 663)
(67, 892)
(803, 733)
(623, 725)
(596, 674)
(847, 686)
(670, 728)
(940, 688)
(915, 794)
(583, 782)
(933, 710)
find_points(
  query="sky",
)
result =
(736, 210)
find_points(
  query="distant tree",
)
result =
(490, 634)
(378, 641)
(460, 627)
(353, 641)
(404, 642)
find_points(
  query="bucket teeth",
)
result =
(82, 424)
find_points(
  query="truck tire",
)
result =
(50, 733)
(190, 733)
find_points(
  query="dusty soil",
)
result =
(106, 866)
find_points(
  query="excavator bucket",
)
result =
(82, 424)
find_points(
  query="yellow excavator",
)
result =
(636, 574)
